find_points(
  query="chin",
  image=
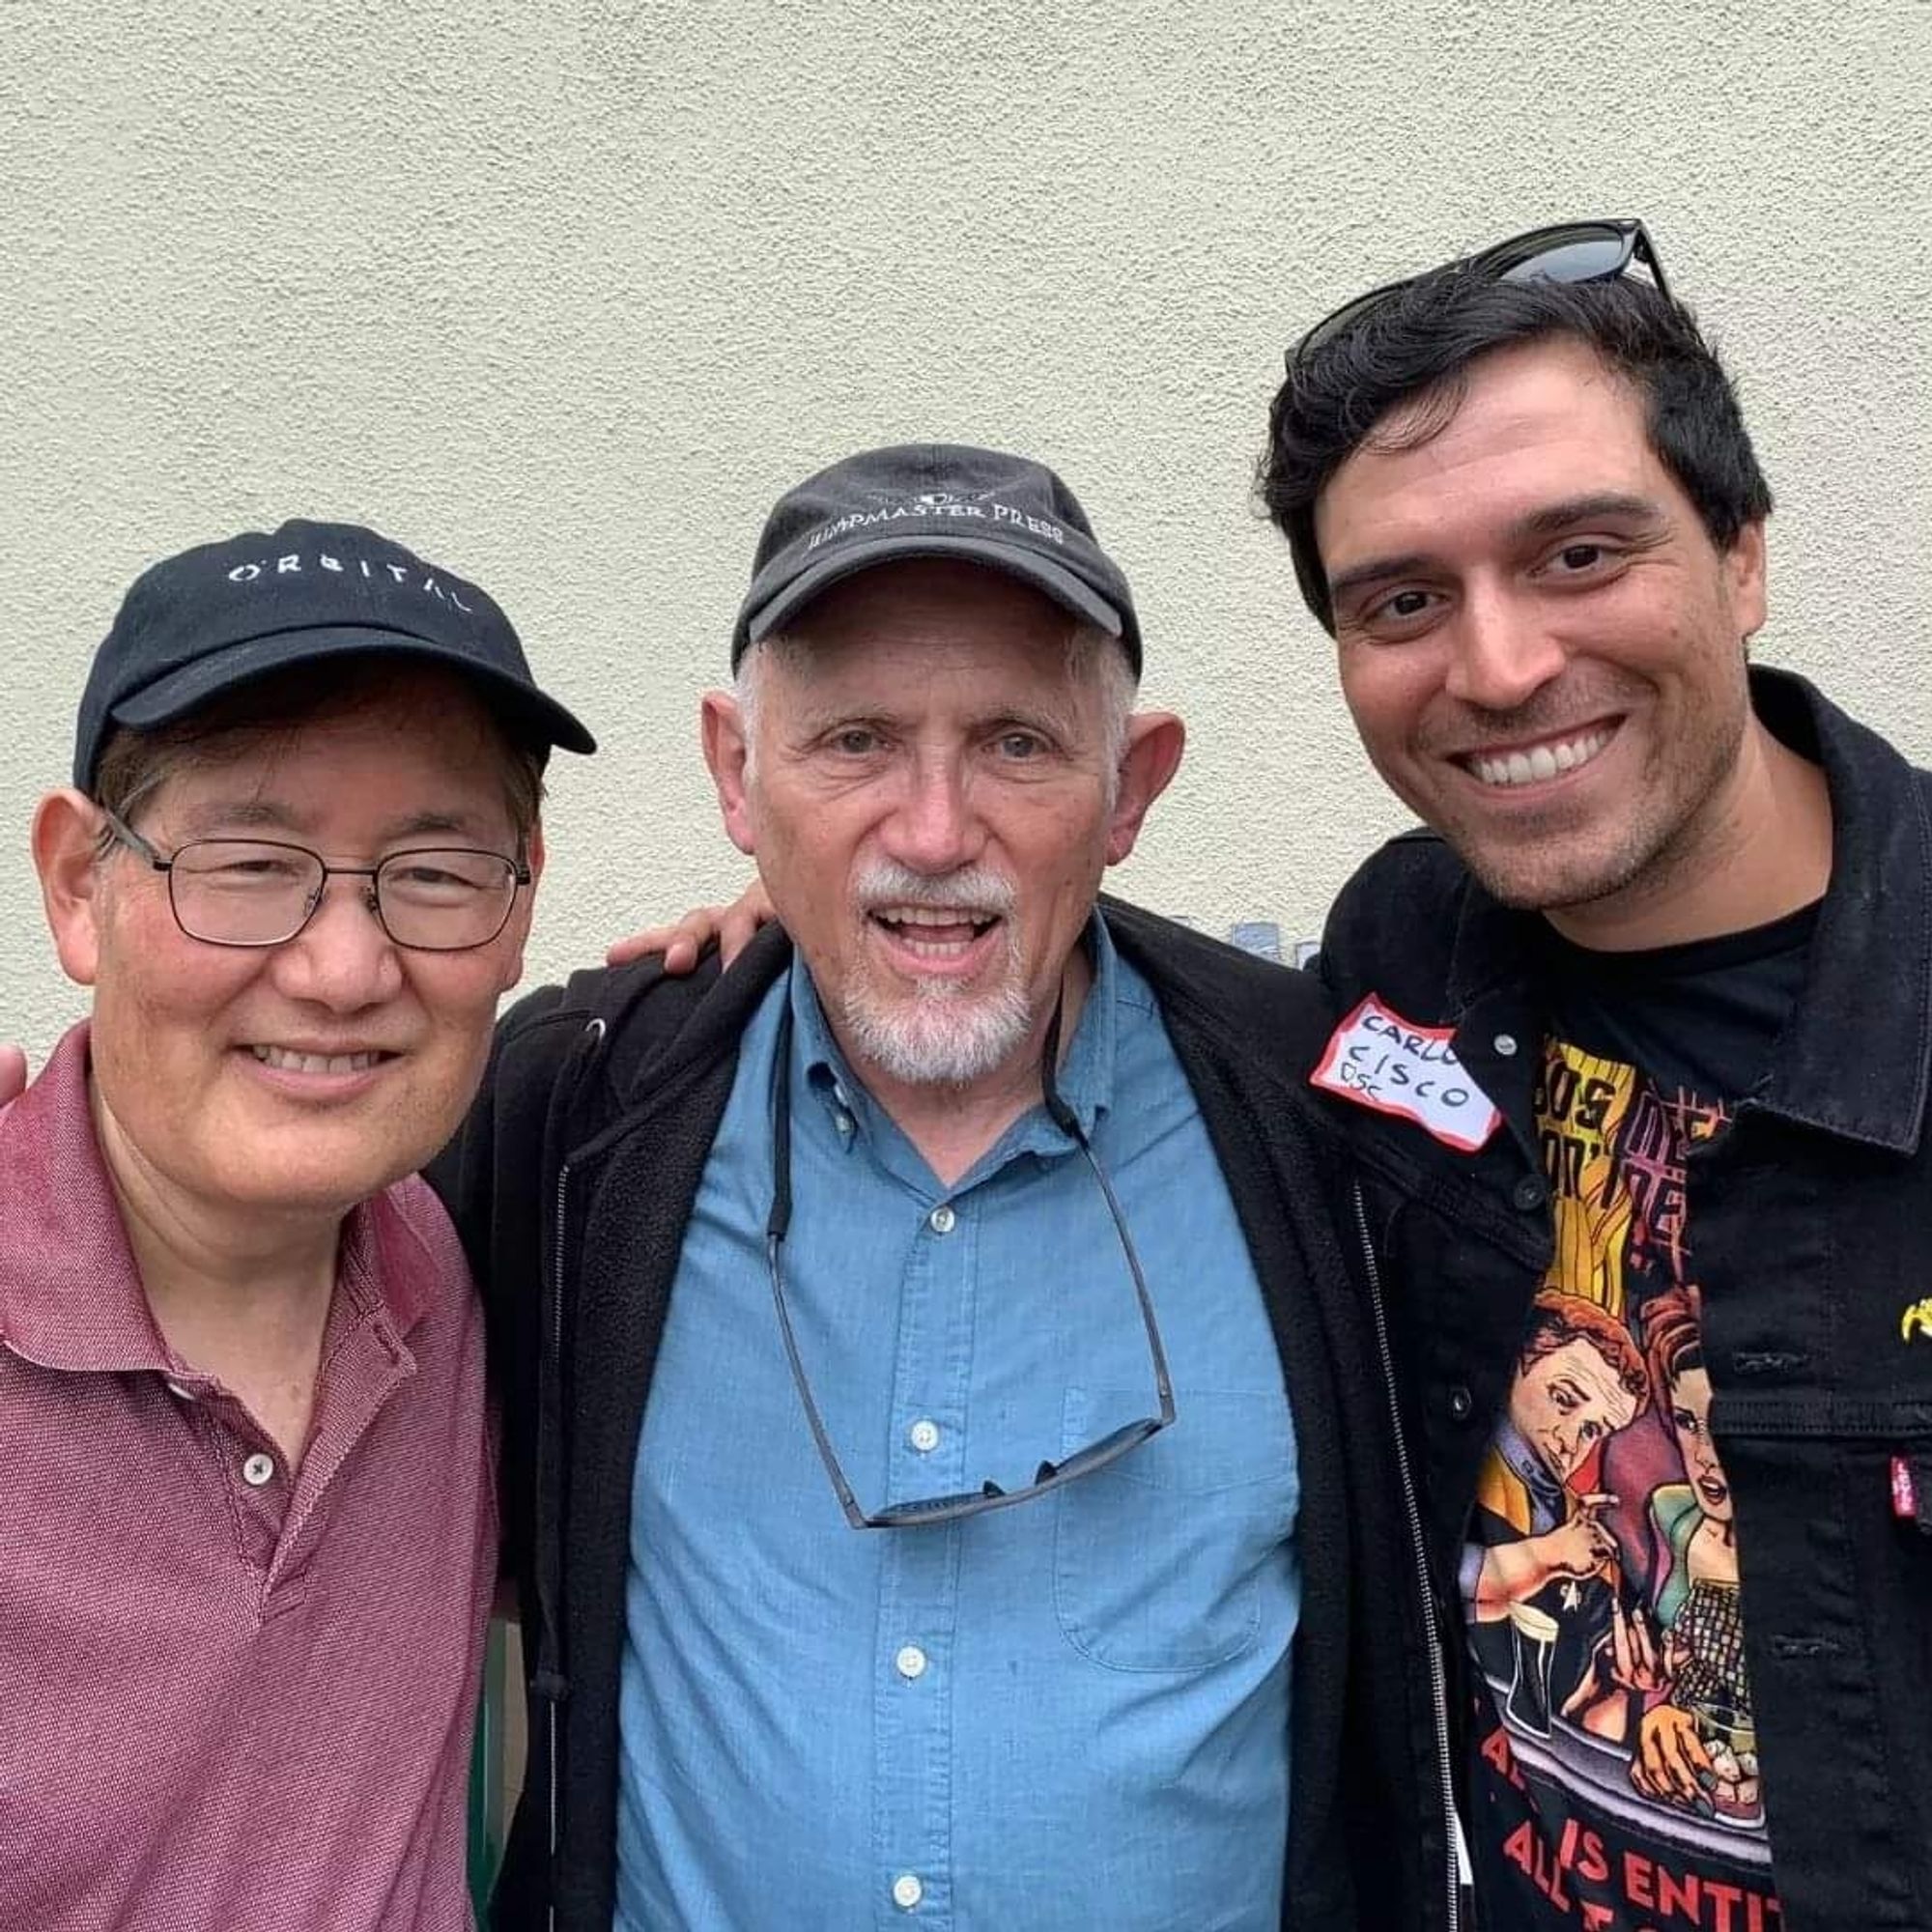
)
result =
(314, 1181)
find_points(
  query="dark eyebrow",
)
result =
(1378, 570)
(1549, 520)
(267, 815)
(1617, 504)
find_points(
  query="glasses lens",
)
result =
(236, 891)
(1581, 255)
(1584, 251)
(1331, 325)
(1097, 1455)
(443, 902)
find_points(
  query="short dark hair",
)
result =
(135, 764)
(1417, 344)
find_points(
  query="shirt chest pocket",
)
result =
(1171, 1558)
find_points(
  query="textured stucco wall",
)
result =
(563, 294)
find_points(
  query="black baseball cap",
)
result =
(195, 626)
(943, 499)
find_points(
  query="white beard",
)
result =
(941, 1035)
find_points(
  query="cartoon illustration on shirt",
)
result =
(1601, 1579)
(1698, 1743)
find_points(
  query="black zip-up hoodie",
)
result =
(572, 1182)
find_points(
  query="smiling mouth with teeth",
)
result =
(283, 1061)
(935, 932)
(1538, 765)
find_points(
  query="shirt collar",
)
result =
(1855, 1056)
(1086, 1071)
(71, 1295)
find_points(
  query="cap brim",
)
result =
(194, 685)
(1041, 572)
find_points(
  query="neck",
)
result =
(953, 1125)
(1760, 850)
(240, 1294)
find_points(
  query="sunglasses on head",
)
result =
(1570, 251)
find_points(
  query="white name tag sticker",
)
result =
(1378, 1059)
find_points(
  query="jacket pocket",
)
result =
(1160, 1560)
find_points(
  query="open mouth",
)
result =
(1713, 1492)
(286, 1059)
(1538, 764)
(934, 932)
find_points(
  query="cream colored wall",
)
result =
(562, 295)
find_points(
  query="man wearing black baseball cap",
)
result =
(241, 1396)
(922, 1361)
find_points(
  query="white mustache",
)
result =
(973, 889)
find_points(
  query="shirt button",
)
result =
(840, 1093)
(907, 1891)
(175, 1388)
(910, 1662)
(258, 1469)
(1527, 1193)
(843, 1122)
(941, 1219)
(1462, 1404)
(923, 1435)
(1504, 1044)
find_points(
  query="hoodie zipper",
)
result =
(1459, 1876)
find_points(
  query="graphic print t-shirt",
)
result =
(1615, 1784)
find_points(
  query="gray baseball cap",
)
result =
(933, 499)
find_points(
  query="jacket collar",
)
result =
(1853, 1060)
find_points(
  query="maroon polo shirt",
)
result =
(230, 1701)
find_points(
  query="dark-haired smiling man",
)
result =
(1672, 917)
(1673, 913)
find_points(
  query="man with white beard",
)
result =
(925, 1384)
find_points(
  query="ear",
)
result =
(1155, 740)
(516, 935)
(1745, 572)
(727, 751)
(66, 836)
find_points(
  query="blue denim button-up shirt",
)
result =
(1069, 1713)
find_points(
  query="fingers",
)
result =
(743, 916)
(13, 1073)
(739, 925)
(1632, 1647)
(679, 944)
(733, 927)
(1670, 1756)
(1623, 1644)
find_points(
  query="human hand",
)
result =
(12, 1073)
(1670, 1755)
(733, 927)
(1634, 1663)
(1579, 1546)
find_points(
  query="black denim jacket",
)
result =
(1813, 1218)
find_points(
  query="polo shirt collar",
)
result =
(71, 1295)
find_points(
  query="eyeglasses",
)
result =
(1570, 251)
(258, 892)
(1109, 1448)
